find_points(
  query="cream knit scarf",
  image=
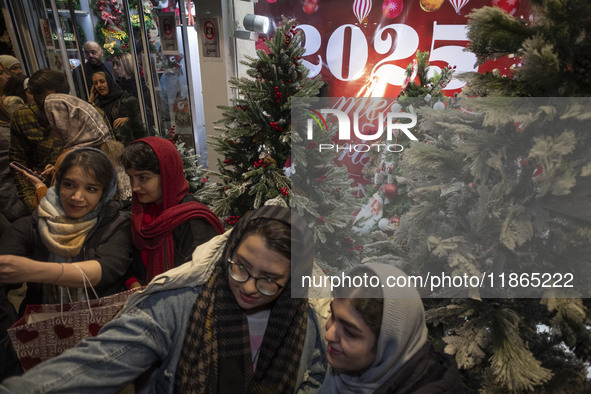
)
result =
(61, 234)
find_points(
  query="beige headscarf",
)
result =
(76, 121)
(8, 61)
(403, 332)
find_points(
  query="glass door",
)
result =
(157, 41)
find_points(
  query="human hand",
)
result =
(49, 170)
(135, 285)
(119, 122)
(32, 176)
(14, 269)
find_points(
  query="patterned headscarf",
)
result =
(77, 122)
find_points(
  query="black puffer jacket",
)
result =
(109, 242)
(427, 372)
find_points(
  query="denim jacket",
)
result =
(149, 332)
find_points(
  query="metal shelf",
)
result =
(67, 12)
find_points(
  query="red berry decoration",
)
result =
(392, 8)
(394, 220)
(389, 190)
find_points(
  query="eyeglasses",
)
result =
(265, 286)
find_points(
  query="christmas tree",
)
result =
(553, 50)
(263, 159)
(256, 134)
(420, 88)
(197, 176)
(501, 185)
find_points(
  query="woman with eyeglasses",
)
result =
(225, 322)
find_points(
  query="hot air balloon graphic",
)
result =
(458, 4)
(361, 9)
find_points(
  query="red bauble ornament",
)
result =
(510, 6)
(310, 6)
(389, 190)
(392, 8)
(394, 220)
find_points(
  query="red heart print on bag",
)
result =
(94, 328)
(25, 335)
(63, 332)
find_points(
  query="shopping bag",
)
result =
(47, 330)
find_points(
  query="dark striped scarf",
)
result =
(216, 355)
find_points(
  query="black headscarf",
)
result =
(115, 92)
(111, 102)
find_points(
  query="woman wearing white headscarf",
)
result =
(11, 65)
(377, 341)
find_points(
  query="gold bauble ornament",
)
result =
(431, 5)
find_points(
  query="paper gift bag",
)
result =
(46, 331)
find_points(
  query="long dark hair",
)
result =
(15, 86)
(43, 80)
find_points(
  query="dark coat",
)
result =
(109, 242)
(185, 237)
(427, 372)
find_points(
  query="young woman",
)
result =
(377, 341)
(11, 207)
(79, 124)
(16, 86)
(223, 323)
(168, 223)
(76, 228)
(32, 142)
(109, 97)
(123, 69)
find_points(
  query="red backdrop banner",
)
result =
(361, 48)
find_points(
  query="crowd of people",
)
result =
(215, 311)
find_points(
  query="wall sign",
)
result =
(168, 38)
(210, 38)
(47, 36)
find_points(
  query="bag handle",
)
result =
(84, 280)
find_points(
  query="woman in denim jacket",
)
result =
(224, 322)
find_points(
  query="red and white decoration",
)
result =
(458, 4)
(361, 9)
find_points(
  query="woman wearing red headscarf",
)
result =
(167, 222)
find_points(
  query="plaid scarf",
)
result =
(216, 355)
